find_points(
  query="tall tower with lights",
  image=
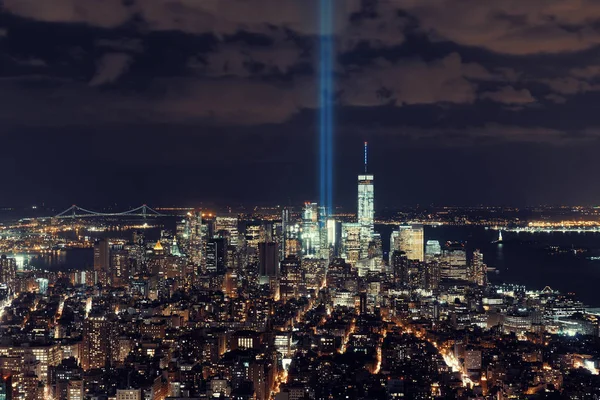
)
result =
(366, 208)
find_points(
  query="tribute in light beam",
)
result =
(326, 104)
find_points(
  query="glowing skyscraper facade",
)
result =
(410, 240)
(366, 209)
(311, 232)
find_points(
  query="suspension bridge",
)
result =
(77, 212)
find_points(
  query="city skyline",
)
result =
(299, 199)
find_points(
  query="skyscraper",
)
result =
(97, 341)
(351, 241)
(229, 225)
(409, 239)
(366, 208)
(311, 234)
(216, 255)
(432, 249)
(193, 241)
(8, 270)
(454, 256)
(292, 278)
(101, 262)
(269, 259)
(478, 269)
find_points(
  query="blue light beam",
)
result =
(326, 99)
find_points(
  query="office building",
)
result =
(268, 259)
(366, 209)
(454, 262)
(410, 240)
(311, 232)
(432, 250)
(75, 390)
(351, 243)
(101, 273)
(478, 269)
(230, 226)
(8, 270)
(97, 342)
(216, 256)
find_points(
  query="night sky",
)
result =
(166, 102)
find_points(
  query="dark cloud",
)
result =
(110, 67)
(511, 26)
(419, 74)
(509, 95)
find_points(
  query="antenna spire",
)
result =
(366, 157)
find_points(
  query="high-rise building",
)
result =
(399, 264)
(286, 221)
(351, 244)
(311, 234)
(268, 259)
(432, 249)
(366, 208)
(119, 267)
(75, 390)
(410, 239)
(454, 258)
(216, 256)
(97, 341)
(478, 269)
(292, 284)
(229, 225)
(292, 230)
(192, 237)
(334, 233)
(101, 271)
(8, 271)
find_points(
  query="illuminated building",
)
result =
(119, 261)
(253, 231)
(129, 394)
(334, 235)
(97, 341)
(292, 284)
(44, 356)
(190, 236)
(60, 376)
(454, 259)
(75, 390)
(292, 244)
(269, 260)
(229, 225)
(101, 263)
(399, 264)
(344, 298)
(517, 322)
(286, 224)
(366, 209)
(432, 249)
(351, 241)
(216, 256)
(8, 270)
(175, 248)
(311, 234)
(410, 240)
(245, 340)
(478, 269)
